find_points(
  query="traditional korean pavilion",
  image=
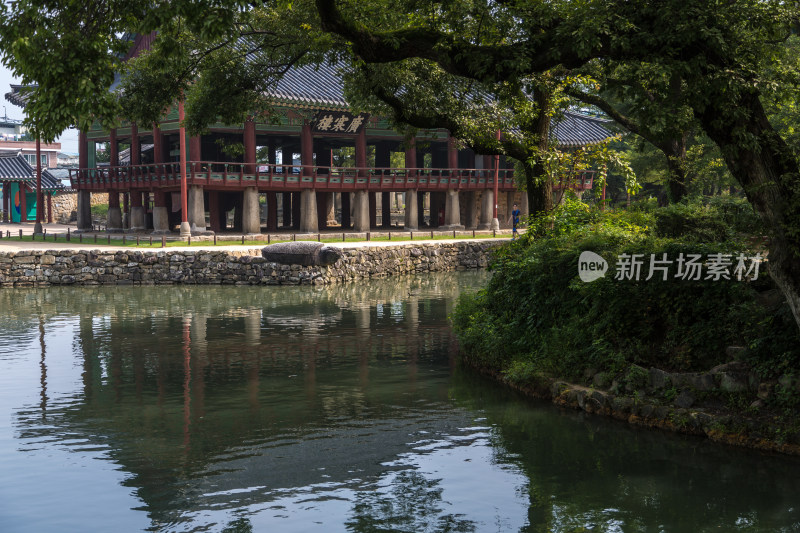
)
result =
(299, 159)
(18, 180)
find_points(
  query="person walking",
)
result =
(514, 221)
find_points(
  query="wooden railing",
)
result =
(288, 177)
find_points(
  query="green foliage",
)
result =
(73, 50)
(99, 211)
(536, 315)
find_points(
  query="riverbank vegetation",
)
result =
(537, 319)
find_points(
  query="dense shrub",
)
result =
(536, 315)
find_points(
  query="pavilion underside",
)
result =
(292, 177)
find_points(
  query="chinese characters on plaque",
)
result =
(339, 122)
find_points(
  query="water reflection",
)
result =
(306, 409)
(222, 399)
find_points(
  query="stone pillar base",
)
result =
(114, 224)
(251, 214)
(309, 221)
(197, 210)
(451, 227)
(452, 211)
(84, 211)
(160, 221)
(412, 216)
(361, 211)
(137, 218)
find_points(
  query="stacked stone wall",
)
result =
(65, 205)
(99, 267)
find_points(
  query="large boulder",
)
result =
(301, 253)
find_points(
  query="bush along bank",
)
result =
(712, 354)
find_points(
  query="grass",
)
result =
(144, 241)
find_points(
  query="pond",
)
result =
(343, 408)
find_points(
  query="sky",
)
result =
(68, 139)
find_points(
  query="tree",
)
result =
(71, 51)
(720, 51)
(649, 104)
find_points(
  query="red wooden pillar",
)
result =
(195, 153)
(361, 152)
(250, 145)
(295, 210)
(411, 157)
(136, 149)
(49, 208)
(272, 211)
(113, 199)
(383, 160)
(306, 149)
(159, 198)
(452, 155)
(39, 198)
(496, 178)
(346, 222)
(182, 146)
(287, 209)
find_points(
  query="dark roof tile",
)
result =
(14, 167)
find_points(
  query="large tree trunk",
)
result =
(540, 190)
(768, 172)
(537, 182)
(678, 182)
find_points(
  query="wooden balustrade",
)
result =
(273, 177)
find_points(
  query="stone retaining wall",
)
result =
(647, 408)
(95, 267)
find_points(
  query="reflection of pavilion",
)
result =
(198, 403)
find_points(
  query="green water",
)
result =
(338, 409)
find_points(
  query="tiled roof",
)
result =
(14, 167)
(16, 96)
(311, 85)
(322, 87)
(125, 155)
(572, 130)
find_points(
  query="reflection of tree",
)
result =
(191, 384)
(413, 503)
(240, 525)
(588, 473)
